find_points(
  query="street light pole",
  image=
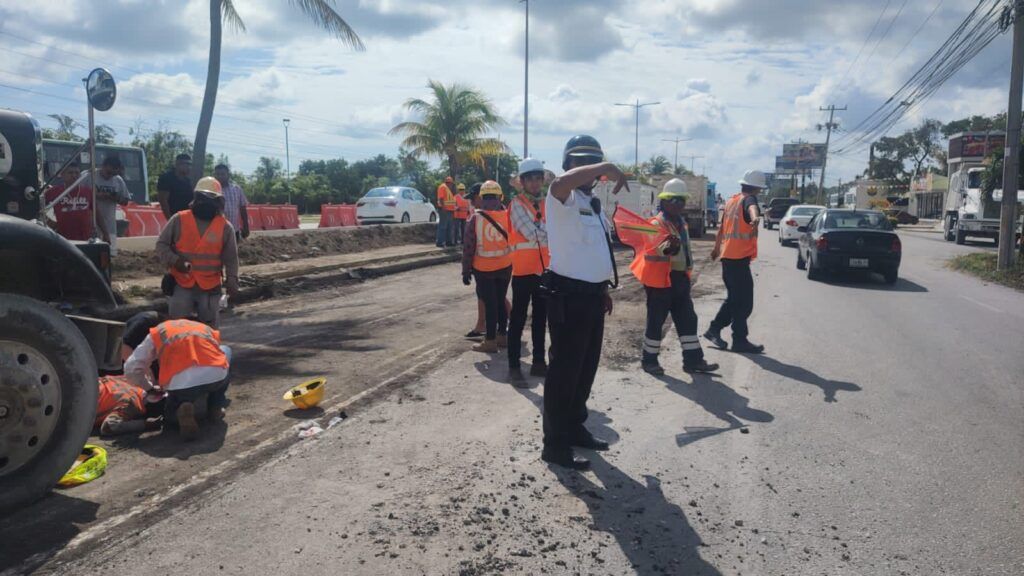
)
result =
(287, 161)
(1008, 215)
(526, 85)
(675, 165)
(637, 106)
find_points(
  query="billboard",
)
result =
(974, 146)
(799, 157)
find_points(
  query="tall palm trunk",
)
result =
(210, 96)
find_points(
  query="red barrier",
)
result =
(255, 218)
(333, 215)
(347, 214)
(290, 216)
(144, 220)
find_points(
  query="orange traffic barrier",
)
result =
(255, 218)
(333, 215)
(144, 220)
(289, 216)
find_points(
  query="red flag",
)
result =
(636, 231)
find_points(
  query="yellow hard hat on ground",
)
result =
(491, 188)
(209, 185)
(308, 394)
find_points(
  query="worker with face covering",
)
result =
(198, 246)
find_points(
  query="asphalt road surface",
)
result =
(880, 434)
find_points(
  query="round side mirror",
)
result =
(101, 89)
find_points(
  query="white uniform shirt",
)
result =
(576, 239)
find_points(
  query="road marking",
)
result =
(982, 304)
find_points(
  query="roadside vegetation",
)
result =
(983, 265)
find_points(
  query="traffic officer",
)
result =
(577, 284)
(445, 212)
(736, 244)
(487, 259)
(199, 247)
(529, 242)
(461, 213)
(665, 270)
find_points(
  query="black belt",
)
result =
(566, 285)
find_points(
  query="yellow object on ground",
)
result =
(90, 465)
(308, 394)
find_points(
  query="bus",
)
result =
(57, 152)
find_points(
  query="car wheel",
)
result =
(405, 218)
(432, 218)
(948, 230)
(801, 264)
(812, 270)
(892, 276)
(47, 398)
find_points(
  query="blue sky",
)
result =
(739, 77)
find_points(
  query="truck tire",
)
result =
(698, 230)
(961, 237)
(47, 398)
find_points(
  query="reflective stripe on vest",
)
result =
(529, 257)
(202, 252)
(739, 238)
(492, 249)
(184, 344)
(116, 394)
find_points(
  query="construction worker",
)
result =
(445, 212)
(126, 409)
(736, 245)
(529, 243)
(487, 260)
(665, 270)
(199, 247)
(461, 214)
(193, 372)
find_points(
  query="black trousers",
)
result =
(739, 298)
(524, 291)
(675, 301)
(491, 288)
(577, 330)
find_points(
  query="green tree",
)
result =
(268, 174)
(658, 165)
(66, 127)
(976, 123)
(321, 12)
(902, 158)
(453, 125)
(105, 134)
(161, 146)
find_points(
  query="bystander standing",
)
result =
(236, 205)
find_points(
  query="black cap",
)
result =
(581, 146)
(183, 156)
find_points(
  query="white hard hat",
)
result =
(530, 165)
(674, 187)
(754, 179)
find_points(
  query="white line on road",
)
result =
(982, 304)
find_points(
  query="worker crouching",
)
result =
(487, 259)
(665, 270)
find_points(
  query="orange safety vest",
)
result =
(739, 238)
(492, 249)
(528, 258)
(652, 269)
(462, 207)
(184, 344)
(445, 198)
(203, 252)
(116, 394)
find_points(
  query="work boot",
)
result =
(702, 367)
(584, 439)
(487, 346)
(516, 378)
(714, 335)
(746, 346)
(564, 456)
(502, 341)
(539, 369)
(187, 423)
(216, 414)
(649, 363)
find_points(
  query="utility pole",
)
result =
(636, 157)
(692, 159)
(287, 160)
(829, 126)
(675, 164)
(526, 85)
(1008, 214)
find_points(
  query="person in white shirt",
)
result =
(577, 282)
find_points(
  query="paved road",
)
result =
(881, 434)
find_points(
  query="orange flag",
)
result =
(636, 231)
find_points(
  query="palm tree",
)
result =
(659, 165)
(321, 12)
(66, 126)
(452, 126)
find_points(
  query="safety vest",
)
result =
(462, 207)
(528, 257)
(116, 394)
(739, 238)
(203, 252)
(184, 344)
(492, 249)
(652, 269)
(445, 198)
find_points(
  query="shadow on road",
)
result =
(829, 387)
(872, 282)
(718, 400)
(34, 534)
(168, 443)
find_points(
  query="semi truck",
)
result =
(967, 213)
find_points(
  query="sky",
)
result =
(736, 78)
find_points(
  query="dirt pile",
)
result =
(264, 249)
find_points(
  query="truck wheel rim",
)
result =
(30, 403)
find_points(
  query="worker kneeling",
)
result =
(193, 372)
(665, 269)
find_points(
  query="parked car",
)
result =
(798, 215)
(776, 210)
(394, 204)
(901, 217)
(849, 240)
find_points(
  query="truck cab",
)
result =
(967, 214)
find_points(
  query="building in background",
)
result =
(928, 195)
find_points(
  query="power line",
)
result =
(886, 33)
(864, 45)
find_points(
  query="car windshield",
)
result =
(382, 193)
(805, 211)
(857, 220)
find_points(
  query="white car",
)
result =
(796, 216)
(394, 204)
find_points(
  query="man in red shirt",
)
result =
(74, 211)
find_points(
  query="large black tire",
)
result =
(800, 263)
(47, 398)
(961, 238)
(405, 218)
(947, 229)
(891, 276)
(812, 271)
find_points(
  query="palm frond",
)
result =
(323, 14)
(230, 16)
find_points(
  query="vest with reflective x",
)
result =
(739, 238)
(203, 252)
(652, 268)
(184, 344)
(492, 249)
(116, 394)
(529, 258)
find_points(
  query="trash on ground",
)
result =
(334, 421)
(308, 394)
(90, 465)
(310, 432)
